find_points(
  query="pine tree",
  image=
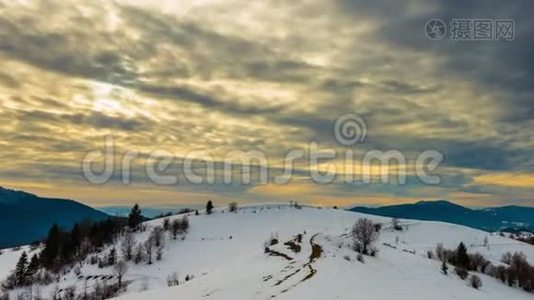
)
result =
(76, 237)
(209, 207)
(462, 256)
(135, 218)
(52, 244)
(67, 250)
(32, 268)
(20, 270)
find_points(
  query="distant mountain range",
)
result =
(147, 211)
(508, 218)
(25, 217)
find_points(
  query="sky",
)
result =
(206, 78)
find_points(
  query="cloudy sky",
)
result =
(212, 77)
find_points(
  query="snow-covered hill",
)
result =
(224, 254)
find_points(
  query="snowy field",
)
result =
(224, 253)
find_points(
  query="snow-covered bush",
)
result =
(232, 207)
(172, 280)
(475, 282)
(461, 272)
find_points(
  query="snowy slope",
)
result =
(224, 252)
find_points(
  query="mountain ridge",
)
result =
(25, 217)
(510, 217)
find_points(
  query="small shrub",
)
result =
(475, 282)
(395, 224)
(273, 240)
(159, 253)
(461, 272)
(172, 280)
(444, 268)
(232, 207)
(360, 258)
(347, 258)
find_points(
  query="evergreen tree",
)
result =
(76, 237)
(209, 207)
(20, 270)
(135, 218)
(52, 244)
(67, 250)
(462, 256)
(32, 268)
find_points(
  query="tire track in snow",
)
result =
(316, 252)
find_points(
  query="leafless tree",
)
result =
(127, 244)
(507, 258)
(440, 252)
(175, 228)
(157, 235)
(139, 253)
(185, 224)
(149, 248)
(364, 234)
(166, 224)
(119, 270)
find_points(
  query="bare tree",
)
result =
(139, 253)
(148, 246)
(185, 224)
(486, 242)
(157, 235)
(364, 234)
(440, 252)
(507, 258)
(166, 224)
(119, 270)
(175, 228)
(127, 244)
(179, 227)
